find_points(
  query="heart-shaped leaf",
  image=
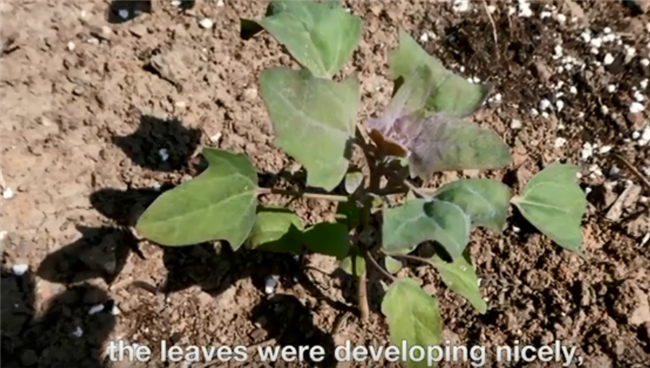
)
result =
(276, 229)
(413, 318)
(328, 238)
(419, 220)
(353, 265)
(320, 36)
(219, 204)
(313, 120)
(485, 201)
(554, 203)
(452, 94)
(460, 276)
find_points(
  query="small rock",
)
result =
(123, 13)
(515, 124)
(138, 30)
(7, 193)
(19, 269)
(206, 23)
(96, 309)
(78, 332)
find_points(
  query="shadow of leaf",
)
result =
(100, 252)
(162, 145)
(64, 335)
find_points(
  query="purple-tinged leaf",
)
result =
(447, 144)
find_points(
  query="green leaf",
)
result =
(452, 93)
(348, 214)
(359, 264)
(485, 201)
(276, 229)
(313, 120)
(449, 144)
(320, 36)
(420, 220)
(413, 318)
(353, 181)
(219, 204)
(460, 276)
(554, 203)
(392, 265)
(328, 238)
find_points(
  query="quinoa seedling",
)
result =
(421, 132)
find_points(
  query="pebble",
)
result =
(71, 46)
(608, 59)
(206, 23)
(19, 269)
(270, 284)
(96, 309)
(515, 124)
(164, 154)
(559, 142)
(123, 13)
(636, 107)
(7, 193)
(3, 234)
(78, 332)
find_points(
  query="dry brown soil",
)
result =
(85, 112)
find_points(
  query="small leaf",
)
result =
(328, 238)
(359, 264)
(320, 36)
(452, 93)
(485, 201)
(276, 229)
(554, 203)
(348, 214)
(438, 141)
(219, 204)
(313, 120)
(460, 276)
(448, 144)
(413, 318)
(392, 265)
(420, 220)
(353, 181)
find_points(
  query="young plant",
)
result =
(421, 132)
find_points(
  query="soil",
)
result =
(89, 100)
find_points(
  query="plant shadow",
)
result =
(160, 145)
(214, 268)
(122, 11)
(101, 252)
(65, 334)
(290, 323)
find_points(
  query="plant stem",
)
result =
(409, 257)
(291, 193)
(362, 284)
(373, 262)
